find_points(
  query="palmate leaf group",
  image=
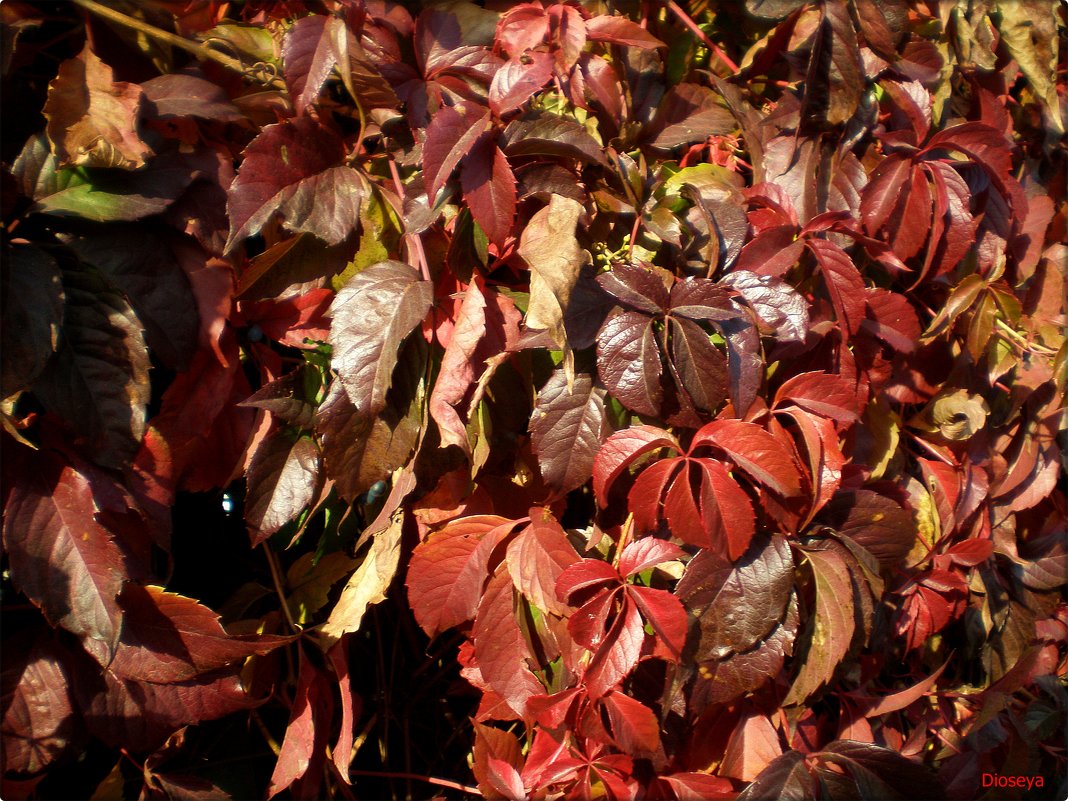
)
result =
(568, 399)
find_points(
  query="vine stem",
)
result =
(199, 50)
(389, 774)
(687, 20)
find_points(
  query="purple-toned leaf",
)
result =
(688, 113)
(282, 398)
(775, 302)
(283, 478)
(831, 626)
(98, 379)
(738, 603)
(142, 262)
(567, 428)
(628, 361)
(518, 79)
(180, 95)
(551, 135)
(737, 674)
(60, 557)
(620, 30)
(372, 314)
(308, 57)
(745, 364)
(295, 169)
(449, 138)
(700, 365)
(32, 304)
(635, 286)
(489, 189)
(873, 520)
(787, 776)
(892, 771)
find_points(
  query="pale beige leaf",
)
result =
(551, 250)
(368, 584)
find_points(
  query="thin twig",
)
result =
(276, 749)
(687, 20)
(276, 577)
(197, 49)
(388, 774)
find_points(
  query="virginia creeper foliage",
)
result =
(538, 400)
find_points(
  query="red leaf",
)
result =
(537, 557)
(350, 706)
(825, 394)
(645, 496)
(634, 726)
(487, 325)
(755, 451)
(617, 654)
(647, 552)
(500, 649)
(725, 509)
(620, 30)
(311, 706)
(59, 555)
(622, 449)
(584, 574)
(449, 569)
(699, 787)
(168, 638)
(519, 78)
(489, 189)
(752, 747)
(665, 614)
(681, 512)
(493, 749)
(843, 281)
(449, 138)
